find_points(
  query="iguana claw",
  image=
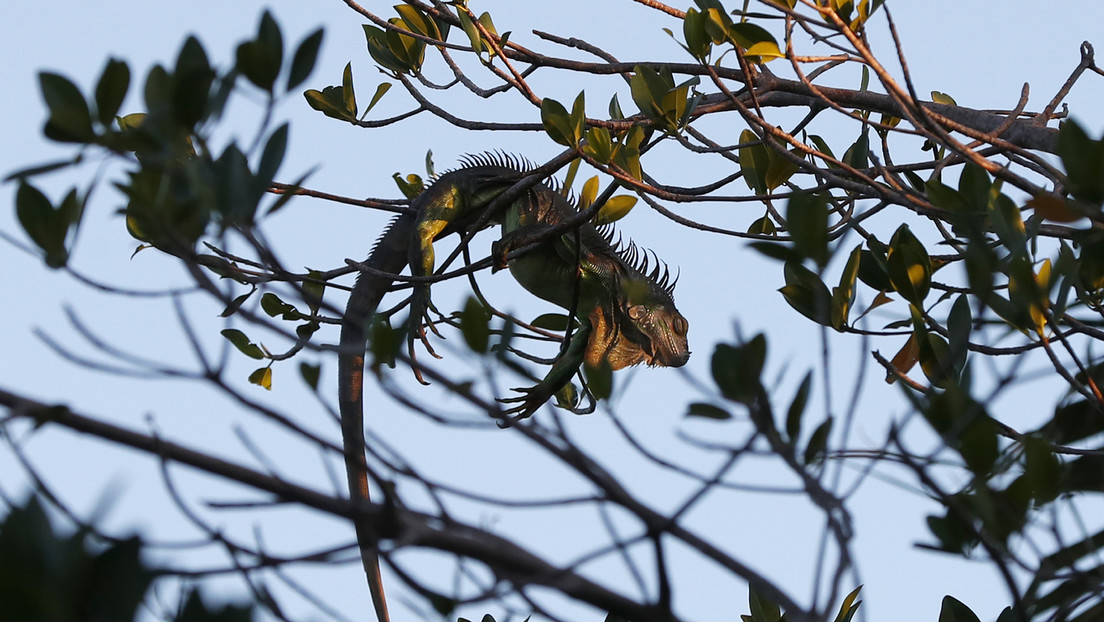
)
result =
(419, 320)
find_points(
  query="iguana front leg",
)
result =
(439, 207)
(565, 366)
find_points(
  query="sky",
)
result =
(979, 55)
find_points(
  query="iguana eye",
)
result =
(680, 325)
(637, 312)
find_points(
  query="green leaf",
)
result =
(1008, 224)
(409, 51)
(70, 120)
(843, 296)
(1042, 470)
(111, 90)
(47, 227)
(236, 303)
(777, 250)
(380, 49)
(872, 266)
(762, 226)
(271, 158)
(310, 374)
(849, 606)
(599, 379)
(959, 327)
(807, 222)
(65, 574)
(858, 154)
(615, 111)
(273, 306)
(1073, 422)
(347, 93)
(474, 37)
(191, 84)
(259, 60)
(759, 45)
(935, 360)
(552, 321)
(242, 343)
(306, 55)
(698, 41)
(1083, 159)
(754, 162)
(946, 197)
(978, 444)
(488, 24)
(384, 342)
(780, 168)
(909, 266)
(578, 116)
(648, 89)
(195, 610)
(330, 101)
(974, 186)
(952, 609)
(474, 325)
(557, 123)
(807, 294)
(818, 443)
(797, 408)
(314, 288)
(418, 21)
(762, 610)
(236, 190)
(599, 145)
(736, 369)
(306, 330)
(823, 147)
(380, 91)
(707, 411)
(262, 377)
(627, 155)
(955, 534)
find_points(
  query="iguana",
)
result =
(626, 312)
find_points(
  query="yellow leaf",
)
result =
(590, 191)
(262, 377)
(942, 98)
(615, 209)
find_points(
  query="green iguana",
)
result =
(626, 312)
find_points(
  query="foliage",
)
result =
(993, 252)
(46, 576)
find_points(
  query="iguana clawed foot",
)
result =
(532, 398)
(419, 320)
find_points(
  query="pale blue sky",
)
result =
(979, 52)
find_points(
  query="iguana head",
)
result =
(642, 324)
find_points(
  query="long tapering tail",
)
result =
(388, 256)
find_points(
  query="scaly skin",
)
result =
(626, 313)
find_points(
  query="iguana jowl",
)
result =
(625, 310)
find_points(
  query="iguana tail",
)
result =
(389, 256)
